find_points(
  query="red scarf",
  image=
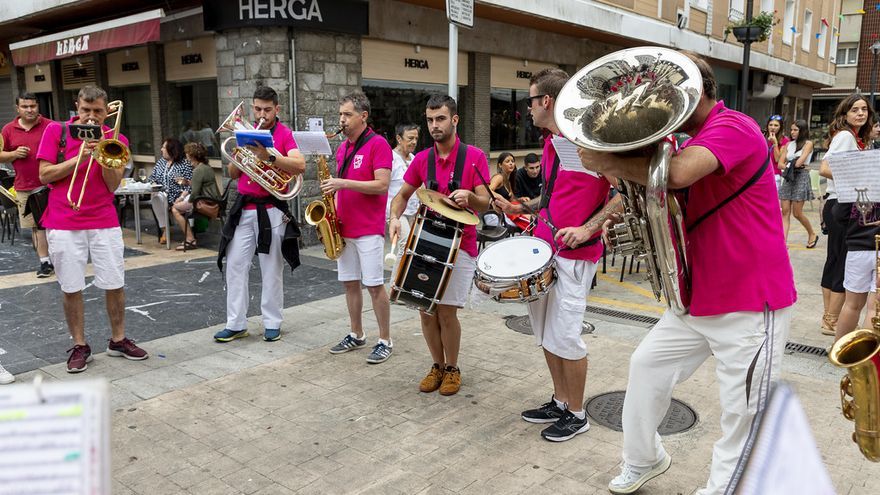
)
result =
(859, 142)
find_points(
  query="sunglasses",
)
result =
(530, 99)
(776, 117)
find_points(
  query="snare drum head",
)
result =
(514, 257)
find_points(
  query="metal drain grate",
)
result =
(623, 315)
(521, 324)
(606, 409)
(791, 347)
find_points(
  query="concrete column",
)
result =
(477, 101)
(159, 108)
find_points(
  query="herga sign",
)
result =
(343, 16)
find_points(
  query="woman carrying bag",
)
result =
(796, 187)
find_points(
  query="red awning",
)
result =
(135, 30)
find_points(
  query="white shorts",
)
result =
(860, 275)
(557, 318)
(362, 259)
(460, 282)
(70, 250)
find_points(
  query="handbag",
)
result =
(36, 204)
(207, 208)
(788, 173)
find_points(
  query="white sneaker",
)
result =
(5, 376)
(632, 478)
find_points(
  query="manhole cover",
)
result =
(521, 324)
(606, 409)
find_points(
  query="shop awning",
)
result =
(126, 31)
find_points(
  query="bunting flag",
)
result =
(861, 11)
(877, 6)
(793, 29)
(825, 21)
(817, 35)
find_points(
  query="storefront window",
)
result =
(403, 103)
(137, 117)
(511, 126)
(194, 113)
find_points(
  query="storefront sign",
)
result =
(129, 67)
(38, 78)
(523, 74)
(191, 60)
(415, 63)
(390, 61)
(127, 31)
(514, 73)
(344, 16)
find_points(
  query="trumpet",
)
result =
(271, 177)
(110, 153)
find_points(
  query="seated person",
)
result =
(204, 187)
(529, 179)
(173, 173)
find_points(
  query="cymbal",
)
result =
(441, 204)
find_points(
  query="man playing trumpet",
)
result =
(260, 222)
(90, 230)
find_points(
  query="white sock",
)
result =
(44, 259)
(355, 336)
(561, 405)
(386, 342)
(579, 414)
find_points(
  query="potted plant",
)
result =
(756, 30)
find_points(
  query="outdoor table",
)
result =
(134, 190)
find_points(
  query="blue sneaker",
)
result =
(227, 335)
(272, 334)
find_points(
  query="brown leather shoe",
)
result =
(432, 380)
(451, 381)
(829, 324)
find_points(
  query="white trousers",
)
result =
(159, 202)
(673, 350)
(239, 254)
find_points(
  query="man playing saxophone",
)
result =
(92, 230)
(361, 187)
(260, 222)
(742, 292)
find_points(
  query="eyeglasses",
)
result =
(530, 99)
(776, 117)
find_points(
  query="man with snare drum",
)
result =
(442, 330)
(569, 200)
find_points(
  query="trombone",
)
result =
(110, 153)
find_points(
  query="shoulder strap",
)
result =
(62, 144)
(754, 178)
(547, 185)
(455, 183)
(361, 141)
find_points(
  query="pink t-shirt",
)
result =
(576, 196)
(737, 256)
(284, 142)
(362, 214)
(27, 170)
(97, 210)
(417, 174)
(782, 144)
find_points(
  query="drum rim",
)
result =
(480, 275)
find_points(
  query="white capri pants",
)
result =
(70, 250)
(673, 350)
(159, 202)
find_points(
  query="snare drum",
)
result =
(516, 269)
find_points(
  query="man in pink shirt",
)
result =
(569, 200)
(259, 222)
(742, 289)
(21, 139)
(363, 171)
(442, 330)
(91, 230)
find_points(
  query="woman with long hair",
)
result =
(174, 173)
(794, 192)
(501, 182)
(850, 245)
(776, 142)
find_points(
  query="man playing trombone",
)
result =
(81, 222)
(260, 222)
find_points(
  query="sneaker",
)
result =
(5, 376)
(451, 381)
(632, 478)
(272, 334)
(432, 380)
(227, 335)
(80, 356)
(127, 349)
(46, 270)
(380, 353)
(566, 427)
(349, 343)
(547, 413)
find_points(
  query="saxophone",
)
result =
(859, 353)
(322, 213)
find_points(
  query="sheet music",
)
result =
(58, 445)
(568, 156)
(312, 143)
(856, 170)
(785, 453)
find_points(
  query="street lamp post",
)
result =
(747, 51)
(875, 49)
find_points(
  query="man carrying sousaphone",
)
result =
(741, 292)
(569, 200)
(261, 222)
(88, 228)
(439, 168)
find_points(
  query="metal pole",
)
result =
(747, 51)
(453, 61)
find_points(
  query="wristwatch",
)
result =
(272, 158)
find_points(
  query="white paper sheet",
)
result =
(856, 170)
(568, 156)
(56, 440)
(312, 143)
